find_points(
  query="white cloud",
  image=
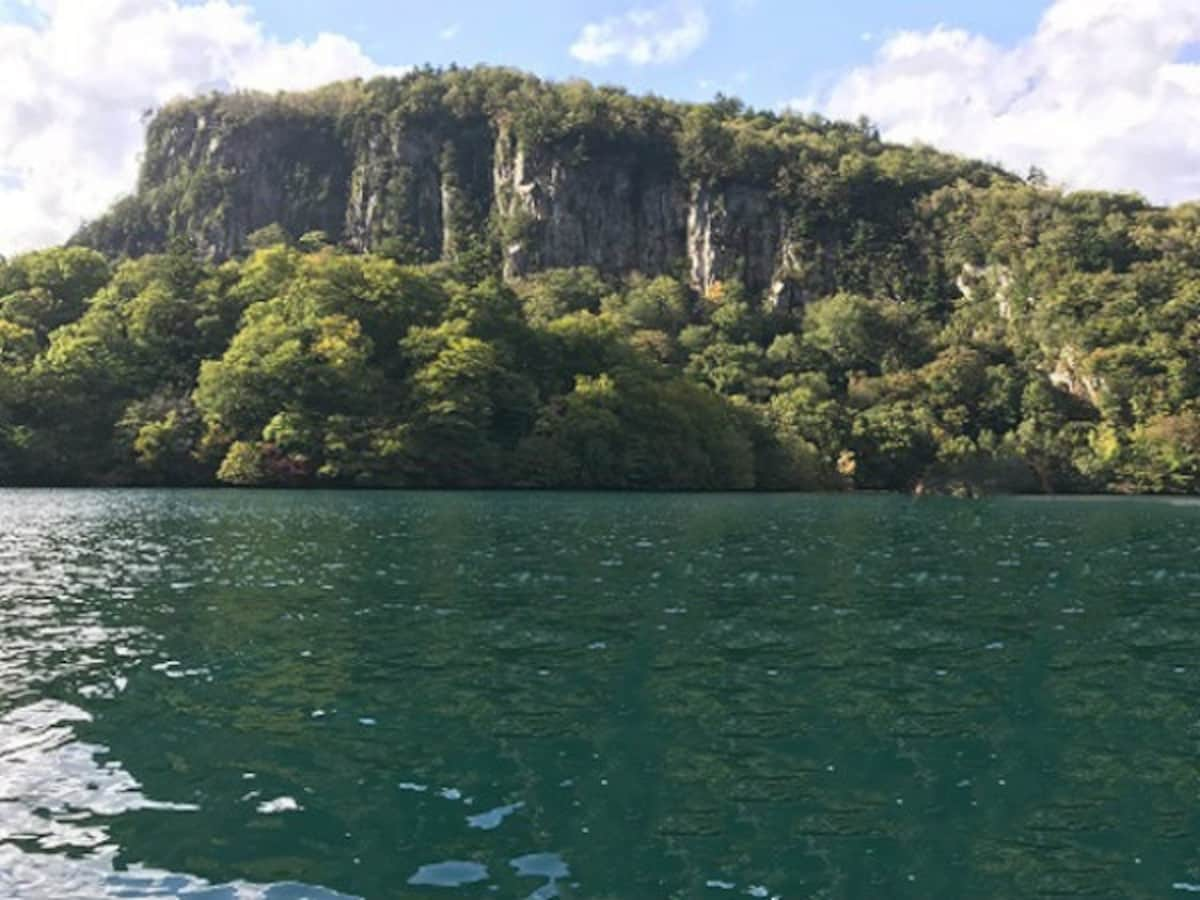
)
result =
(1098, 96)
(663, 34)
(450, 32)
(77, 81)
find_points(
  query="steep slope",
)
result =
(533, 175)
(518, 283)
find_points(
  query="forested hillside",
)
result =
(476, 278)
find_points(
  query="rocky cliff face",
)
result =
(555, 207)
(737, 231)
(420, 184)
(427, 179)
(558, 209)
(216, 174)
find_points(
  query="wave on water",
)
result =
(54, 797)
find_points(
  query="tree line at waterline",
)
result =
(944, 326)
(303, 366)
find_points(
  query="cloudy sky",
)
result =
(1099, 93)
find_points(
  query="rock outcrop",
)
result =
(1071, 373)
(614, 212)
(215, 173)
(427, 169)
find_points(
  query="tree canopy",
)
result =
(941, 326)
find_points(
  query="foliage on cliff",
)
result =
(928, 323)
(507, 168)
(1067, 362)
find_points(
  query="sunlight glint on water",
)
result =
(375, 695)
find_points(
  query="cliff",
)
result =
(534, 175)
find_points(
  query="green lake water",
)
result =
(328, 695)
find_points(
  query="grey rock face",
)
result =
(614, 213)
(396, 190)
(619, 215)
(237, 177)
(431, 189)
(734, 233)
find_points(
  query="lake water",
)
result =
(323, 695)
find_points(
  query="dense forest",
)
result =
(475, 278)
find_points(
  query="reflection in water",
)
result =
(543, 865)
(449, 874)
(604, 697)
(493, 818)
(54, 795)
(49, 783)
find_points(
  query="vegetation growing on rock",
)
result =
(475, 278)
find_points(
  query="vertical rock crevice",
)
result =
(430, 185)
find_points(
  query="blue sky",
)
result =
(1098, 93)
(765, 51)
